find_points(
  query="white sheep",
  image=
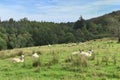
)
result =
(49, 45)
(35, 55)
(21, 59)
(89, 53)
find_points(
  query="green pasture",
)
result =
(57, 62)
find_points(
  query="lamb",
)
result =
(35, 55)
(21, 59)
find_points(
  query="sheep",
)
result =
(21, 59)
(89, 53)
(49, 45)
(35, 55)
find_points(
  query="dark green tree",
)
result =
(79, 23)
(3, 44)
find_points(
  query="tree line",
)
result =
(26, 33)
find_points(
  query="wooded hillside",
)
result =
(25, 33)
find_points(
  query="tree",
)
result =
(3, 44)
(116, 29)
(118, 32)
(92, 27)
(69, 37)
(79, 23)
(11, 20)
(79, 35)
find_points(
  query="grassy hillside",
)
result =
(58, 63)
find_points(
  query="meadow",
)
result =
(56, 62)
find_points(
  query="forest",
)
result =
(26, 33)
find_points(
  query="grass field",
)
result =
(58, 63)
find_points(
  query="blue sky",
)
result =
(56, 10)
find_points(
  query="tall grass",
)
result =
(81, 61)
(54, 59)
(105, 59)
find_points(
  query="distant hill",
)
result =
(108, 20)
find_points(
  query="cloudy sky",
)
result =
(56, 10)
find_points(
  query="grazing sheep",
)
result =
(89, 53)
(21, 59)
(35, 55)
(49, 45)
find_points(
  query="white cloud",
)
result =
(107, 2)
(56, 10)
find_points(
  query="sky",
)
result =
(56, 10)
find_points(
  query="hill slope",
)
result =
(109, 22)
